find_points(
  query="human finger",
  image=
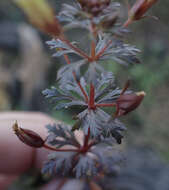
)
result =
(5, 181)
(15, 157)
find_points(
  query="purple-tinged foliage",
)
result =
(85, 84)
(117, 51)
(79, 164)
(74, 17)
(94, 119)
(60, 135)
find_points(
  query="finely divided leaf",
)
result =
(86, 166)
(61, 47)
(60, 135)
(117, 51)
(59, 163)
(65, 96)
(99, 124)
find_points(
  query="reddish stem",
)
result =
(103, 50)
(93, 48)
(86, 147)
(125, 87)
(94, 29)
(86, 139)
(127, 23)
(92, 97)
(115, 115)
(79, 51)
(117, 111)
(93, 44)
(106, 105)
(59, 150)
(74, 75)
(65, 56)
(81, 88)
(66, 59)
(83, 91)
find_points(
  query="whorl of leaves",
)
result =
(144, 171)
(116, 51)
(100, 127)
(74, 17)
(97, 120)
(98, 159)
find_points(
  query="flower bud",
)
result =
(128, 102)
(139, 9)
(28, 137)
(94, 7)
(41, 15)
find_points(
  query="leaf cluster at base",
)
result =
(100, 158)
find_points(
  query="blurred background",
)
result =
(26, 68)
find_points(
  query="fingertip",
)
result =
(6, 181)
(15, 156)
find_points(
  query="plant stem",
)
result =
(93, 52)
(92, 97)
(66, 59)
(93, 44)
(59, 150)
(103, 50)
(127, 23)
(81, 88)
(86, 140)
(106, 105)
(125, 87)
(86, 146)
(83, 91)
(74, 76)
(79, 51)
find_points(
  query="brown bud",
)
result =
(28, 137)
(94, 7)
(41, 15)
(128, 102)
(139, 9)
